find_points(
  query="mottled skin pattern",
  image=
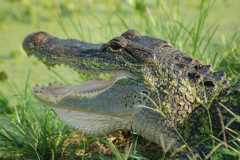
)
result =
(168, 86)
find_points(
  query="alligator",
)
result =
(154, 89)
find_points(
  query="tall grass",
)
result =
(30, 130)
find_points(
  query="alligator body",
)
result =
(154, 87)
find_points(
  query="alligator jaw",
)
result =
(54, 93)
(76, 54)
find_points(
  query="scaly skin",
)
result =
(154, 90)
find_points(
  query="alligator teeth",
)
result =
(54, 93)
(51, 93)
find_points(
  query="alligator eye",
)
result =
(118, 43)
(114, 47)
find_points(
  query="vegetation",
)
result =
(206, 30)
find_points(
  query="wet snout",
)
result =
(35, 42)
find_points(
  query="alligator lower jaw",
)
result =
(54, 93)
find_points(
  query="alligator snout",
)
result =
(35, 41)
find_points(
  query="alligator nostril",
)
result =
(34, 40)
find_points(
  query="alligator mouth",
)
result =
(54, 93)
(82, 57)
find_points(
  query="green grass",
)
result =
(206, 30)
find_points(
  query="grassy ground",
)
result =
(206, 30)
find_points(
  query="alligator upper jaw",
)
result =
(74, 53)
